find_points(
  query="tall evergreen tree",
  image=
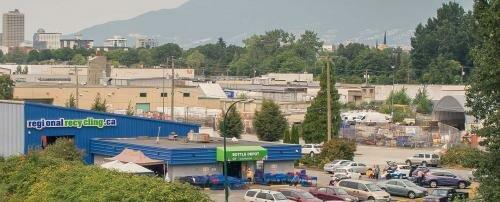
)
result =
(233, 126)
(315, 123)
(295, 137)
(71, 103)
(6, 87)
(269, 122)
(130, 109)
(99, 104)
(483, 96)
(286, 136)
(422, 102)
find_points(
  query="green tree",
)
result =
(99, 104)
(483, 95)
(195, 60)
(16, 56)
(33, 56)
(64, 149)
(422, 102)
(45, 55)
(295, 135)
(286, 136)
(161, 53)
(2, 56)
(78, 59)
(145, 57)
(443, 71)
(448, 35)
(233, 126)
(71, 103)
(399, 97)
(130, 109)
(129, 58)
(269, 122)
(6, 87)
(337, 148)
(314, 126)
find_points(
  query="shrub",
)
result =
(40, 175)
(463, 156)
(336, 148)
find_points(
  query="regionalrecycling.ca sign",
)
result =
(70, 123)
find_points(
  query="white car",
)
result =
(311, 149)
(262, 195)
(404, 169)
(356, 167)
(330, 167)
(348, 172)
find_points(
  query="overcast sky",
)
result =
(68, 16)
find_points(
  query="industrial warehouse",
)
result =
(169, 147)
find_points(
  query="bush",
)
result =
(41, 176)
(463, 156)
(337, 148)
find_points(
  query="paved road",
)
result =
(370, 155)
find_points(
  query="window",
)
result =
(427, 156)
(261, 195)
(277, 196)
(392, 182)
(286, 193)
(361, 164)
(322, 190)
(401, 184)
(373, 187)
(186, 94)
(163, 94)
(361, 187)
(435, 156)
(354, 164)
(143, 94)
(420, 155)
(306, 146)
(251, 193)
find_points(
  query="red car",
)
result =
(332, 194)
(299, 195)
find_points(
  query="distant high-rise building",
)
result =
(144, 42)
(13, 28)
(116, 42)
(1, 36)
(77, 43)
(43, 40)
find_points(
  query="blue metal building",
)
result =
(25, 126)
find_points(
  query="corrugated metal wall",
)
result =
(127, 126)
(11, 128)
(285, 152)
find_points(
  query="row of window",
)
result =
(165, 94)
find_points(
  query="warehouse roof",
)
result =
(182, 144)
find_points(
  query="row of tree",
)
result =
(440, 54)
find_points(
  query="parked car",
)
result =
(419, 168)
(262, 195)
(356, 167)
(332, 194)
(437, 178)
(348, 172)
(403, 187)
(445, 194)
(299, 195)
(311, 149)
(424, 159)
(330, 167)
(364, 190)
(404, 169)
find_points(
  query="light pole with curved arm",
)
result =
(224, 122)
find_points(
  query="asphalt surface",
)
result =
(370, 155)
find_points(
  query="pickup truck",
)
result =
(445, 195)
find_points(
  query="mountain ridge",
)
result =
(201, 21)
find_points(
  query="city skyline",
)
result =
(47, 14)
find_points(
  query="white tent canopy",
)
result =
(126, 168)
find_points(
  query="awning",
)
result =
(242, 153)
(134, 156)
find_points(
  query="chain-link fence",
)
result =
(402, 136)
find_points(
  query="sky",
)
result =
(69, 16)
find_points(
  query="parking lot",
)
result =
(370, 155)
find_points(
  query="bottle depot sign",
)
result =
(70, 123)
(242, 153)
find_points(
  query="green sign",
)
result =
(242, 153)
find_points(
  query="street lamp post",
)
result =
(392, 97)
(226, 188)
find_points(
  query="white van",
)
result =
(262, 195)
(364, 190)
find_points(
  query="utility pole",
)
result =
(173, 91)
(329, 100)
(163, 91)
(462, 75)
(77, 85)
(392, 97)
(366, 77)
